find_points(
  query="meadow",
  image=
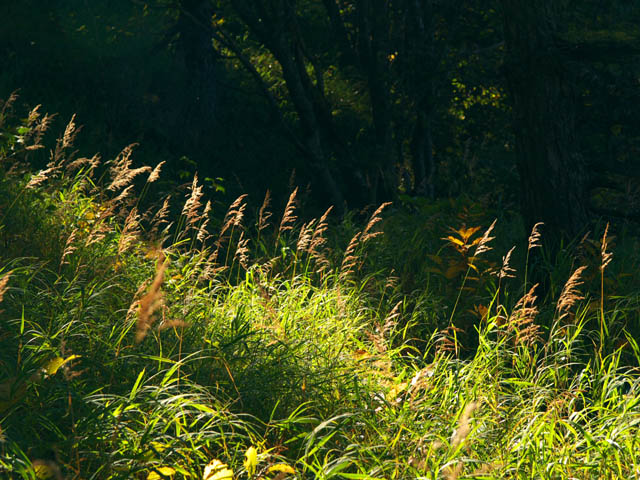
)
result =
(156, 337)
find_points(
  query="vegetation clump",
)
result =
(167, 341)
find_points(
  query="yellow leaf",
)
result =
(466, 233)
(216, 470)
(160, 472)
(251, 460)
(455, 240)
(54, 364)
(281, 467)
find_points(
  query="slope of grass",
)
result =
(162, 343)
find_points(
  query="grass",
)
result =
(173, 343)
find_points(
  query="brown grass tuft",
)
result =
(193, 203)
(155, 174)
(570, 294)
(289, 217)
(483, 244)
(4, 284)
(121, 172)
(368, 233)
(264, 214)
(604, 255)
(148, 304)
(522, 319)
(534, 238)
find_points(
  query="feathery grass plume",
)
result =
(166, 324)
(121, 172)
(367, 233)
(92, 163)
(570, 293)
(130, 232)
(70, 133)
(63, 143)
(242, 251)
(232, 219)
(483, 244)
(124, 195)
(193, 204)
(605, 259)
(4, 284)
(101, 226)
(464, 424)
(318, 240)
(148, 304)
(605, 256)
(160, 218)
(382, 332)
(305, 236)
(155, 174)
(203, 233)
(534, 237)
(38, 127)
(69, 247)
(459, 436)
(522, 319)
(289, 217)
(264, 214)
(7, 104)
(506, 271)
(350, 259)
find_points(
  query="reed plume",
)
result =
(148, 304)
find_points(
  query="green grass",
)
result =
(137, 348)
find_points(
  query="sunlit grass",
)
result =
(148, 345)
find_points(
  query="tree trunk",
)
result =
(552, 174)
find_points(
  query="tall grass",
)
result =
(171, 343)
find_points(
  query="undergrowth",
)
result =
(172, 342)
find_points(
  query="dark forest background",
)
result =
(528, 107)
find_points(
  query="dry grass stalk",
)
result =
(39, 127)
(193, 204)
(155, 174)
(264, 214)
(121, 172)
(232, 219)
(289, 216)
(305, 236)
(604, 255)
(70, 133)
(130, 231)
(522, 319)
(459, 436)
(166, 324)
(160, 218)
(368, 233)
(534, 237)
(350, 259)
(506, 271)
(483, 244)
(4, 284)
(242, 252)
(379, 338)
(124, 195)
(203, 233)
(148, 304)
(7, 104)
(570, 293)
(69, 247)
(92, 162)
(464, 424)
